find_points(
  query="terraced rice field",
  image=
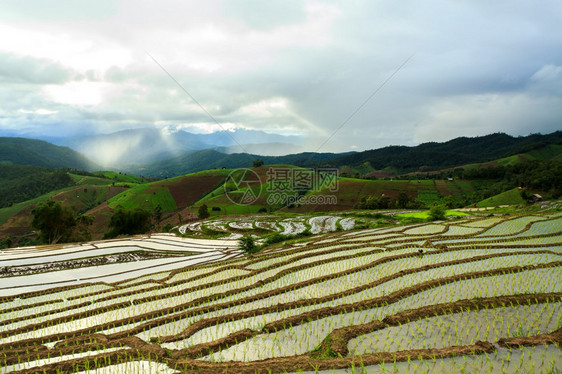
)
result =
(235, 227)
(481, 295)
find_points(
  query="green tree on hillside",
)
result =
(437, 212)
(247, 244)
(403, 200)
(57, 223)
(257, 163)
(203, 212)
(129, 222)
(157, 215)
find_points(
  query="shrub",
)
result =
(437, 212)
(203, 212)
(247, 244)
(129, 222)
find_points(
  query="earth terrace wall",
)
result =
(292, 320)
(335, 343)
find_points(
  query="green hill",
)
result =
(40, 153)
(211, 159)
(387, 161)
(171, 194)
(23, 182)
(345, 194)
(511, 197)
(456, 152)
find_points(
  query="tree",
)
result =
(203, 212)
(157, 214)
(57, 223)
(129, 222)
(80, 232)
(257, 163)
(437, 212)
(450, 202)
(247, 244)
(403, 200)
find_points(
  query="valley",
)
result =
(280, 268)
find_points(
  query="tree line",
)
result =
(20, 182)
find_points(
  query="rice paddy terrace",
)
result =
(234, 228)
(470, 295)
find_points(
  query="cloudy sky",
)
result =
(433, 70)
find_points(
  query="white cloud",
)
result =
(40, 112)
(77, 93)
(285, 66)
(71, 49)
(204, 127)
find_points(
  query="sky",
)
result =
(343, 75)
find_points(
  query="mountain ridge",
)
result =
(396, 160)
(24, 151)
(146, 145)
(401, 159)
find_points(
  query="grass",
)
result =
(429, 197)
(6, 213)
(144, 196)
(425, 214)
(511, 197)
(118, 177)
(82, 180)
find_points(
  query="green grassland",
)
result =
(87, 180)
(93, 191)
(6, 213)
(95, 196)
(511, 197)
(351, 190)
(424, 215)
(171, 194)
(548, 152)
(348, 194)
(119, 177)
(145, 196)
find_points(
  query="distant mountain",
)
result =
(40, 153)
(126, 148)
(213, 159)
(399, 159)
(266, 149)
(456, 152)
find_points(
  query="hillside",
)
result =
(537, 167)
(84, 193)
(134, 147)
(23, 182)
(212, 159)
(454, 153)
(100, 194)
(40, 153)
(383, 162)
(171, 194)
(261, 185)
